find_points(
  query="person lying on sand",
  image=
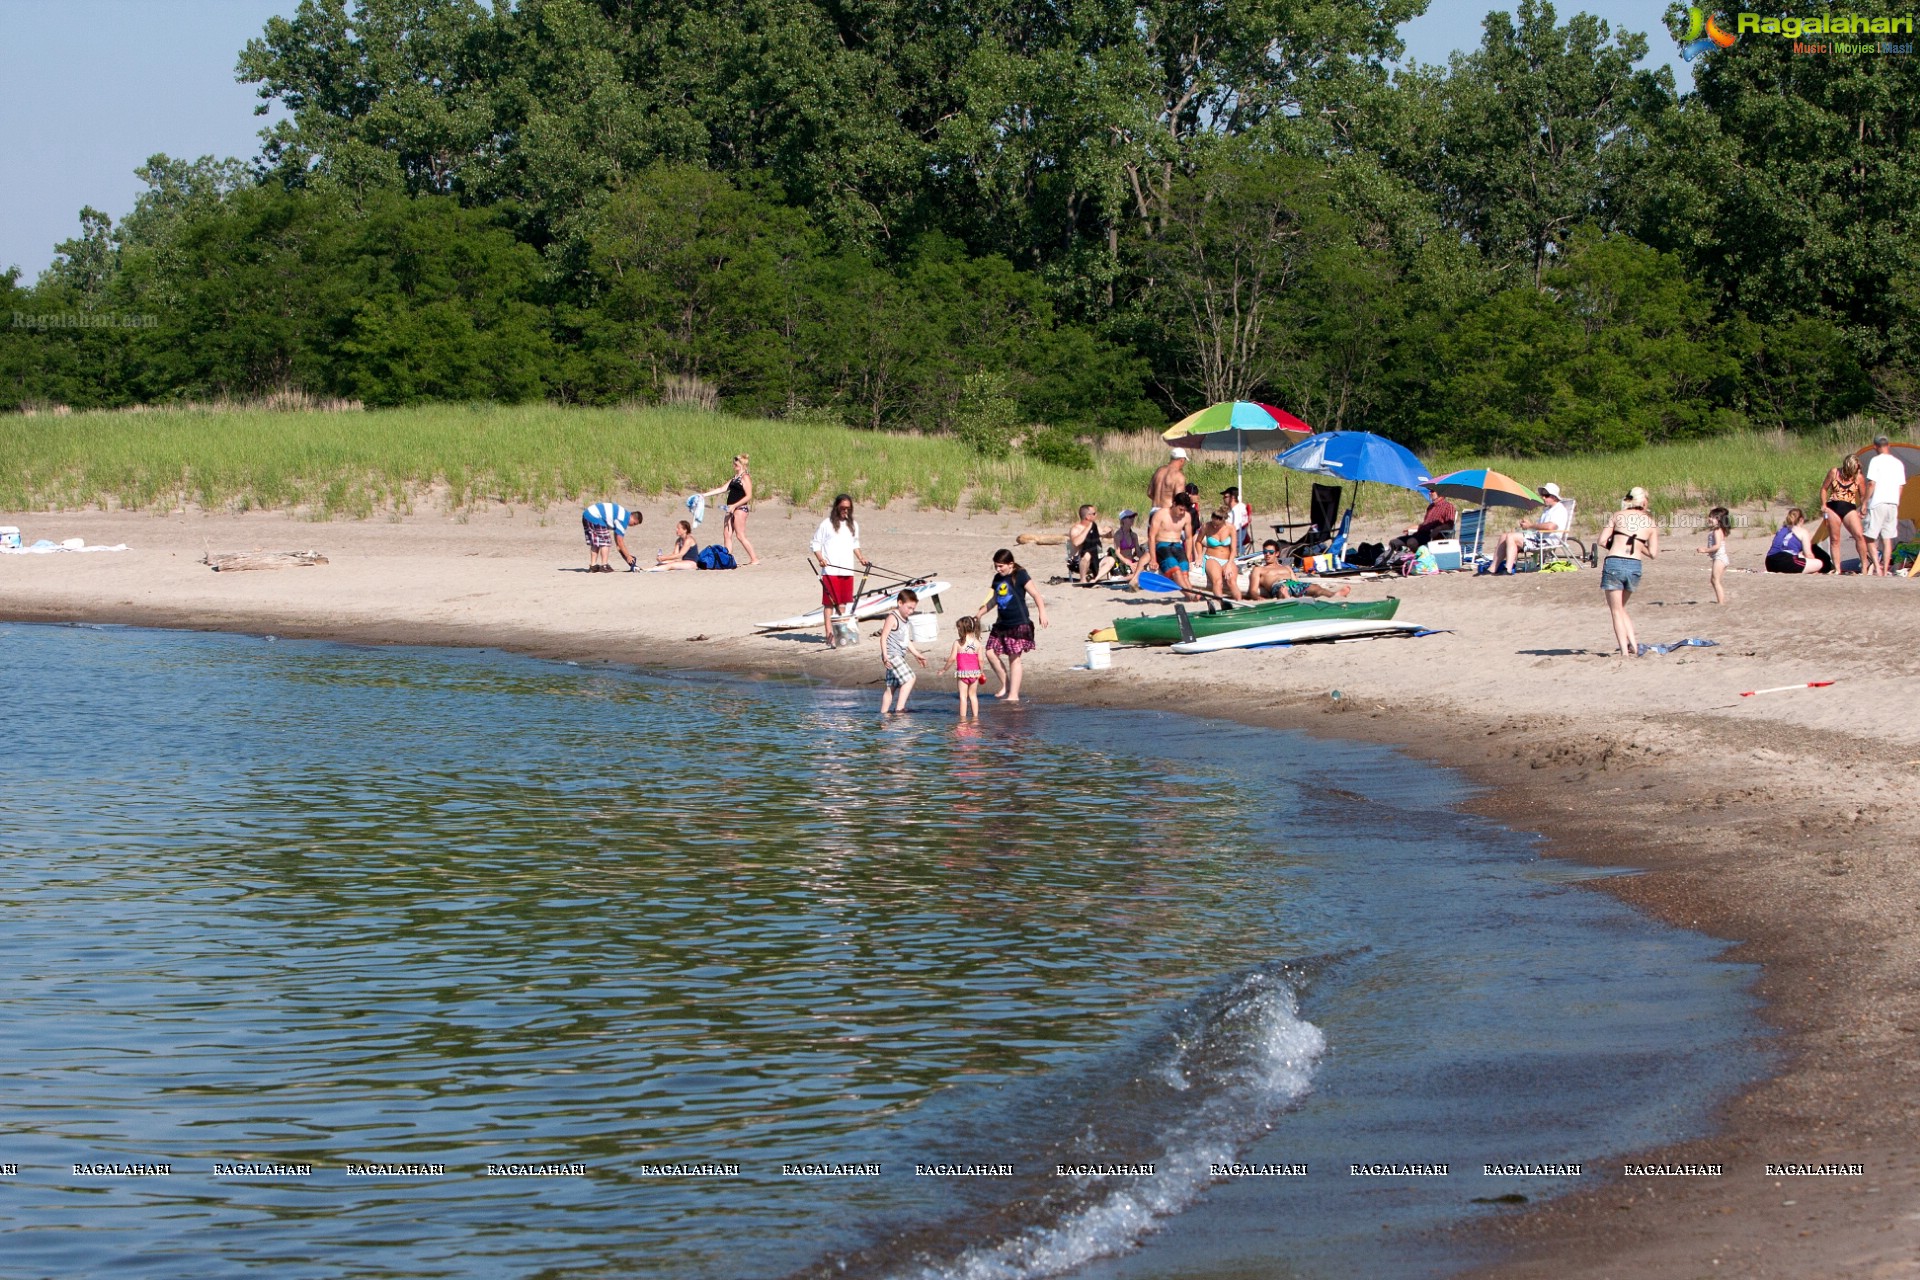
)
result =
(1272, 579)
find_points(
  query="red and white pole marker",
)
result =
(1785, 688)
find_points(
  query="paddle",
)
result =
(1151, 581)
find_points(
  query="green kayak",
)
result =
(1164, 628)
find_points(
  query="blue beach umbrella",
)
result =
(1359, 456)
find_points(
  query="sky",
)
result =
(90, 88)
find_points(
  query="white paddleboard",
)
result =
(1293, 632)
(870, 605)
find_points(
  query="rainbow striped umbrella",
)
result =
(1238, 425)
(1485, 488)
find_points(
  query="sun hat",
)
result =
(1636, 497)
(1179, 453)
(1551, 489)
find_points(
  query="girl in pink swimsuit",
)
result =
(965, 663)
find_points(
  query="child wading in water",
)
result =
(896, 645)
(1719, 524)
(965, 663)
(1012, 633)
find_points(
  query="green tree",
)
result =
(1532, 135)
(1815, 199)
(1616, 349)
(1224, 279)
(434, 302)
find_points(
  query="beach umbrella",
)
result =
(1485, 488)
(1238, 425)
(1359, 456)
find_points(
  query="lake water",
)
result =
(350, 939)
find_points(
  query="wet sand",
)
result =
(1788, 824)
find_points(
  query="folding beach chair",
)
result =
(1467, 532)
(1324, 522)
(1545, 548)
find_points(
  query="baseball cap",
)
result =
(1128, 513)
(1880, 440)
(1229, 490)
(1179, 453)
(1551, 489)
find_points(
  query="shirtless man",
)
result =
(1272, 579)
(1170, 479)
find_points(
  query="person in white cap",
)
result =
(1170, 479)
(1551, 526)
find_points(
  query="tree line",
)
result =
(1081, 213)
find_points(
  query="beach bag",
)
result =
(1424, 562)
(715, 558)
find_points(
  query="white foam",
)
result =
(1277, 1069)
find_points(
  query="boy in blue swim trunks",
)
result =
(1272, 579)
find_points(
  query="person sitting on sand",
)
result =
(686, 550)
(1550, 527)
(1787, 553)
(1272, 579)
(1128, 551)
(1172, 547)
(1083, 546)
(1216, 554)
(605, 524)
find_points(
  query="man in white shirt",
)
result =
(1242, 517)
(1549, 528)
(1886, 477)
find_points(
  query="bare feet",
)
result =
(1343, 592)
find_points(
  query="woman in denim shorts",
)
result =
(1629, 540)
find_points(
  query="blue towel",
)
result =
(1695, 643)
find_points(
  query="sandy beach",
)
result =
(1785, 824)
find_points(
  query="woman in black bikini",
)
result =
(739, 503)
(1840, 495)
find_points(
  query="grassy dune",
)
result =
(456, 457)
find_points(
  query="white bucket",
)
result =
(9, 537)
(846, 631)
(1099, 655)
(926, 628)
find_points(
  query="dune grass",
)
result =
(458, 457)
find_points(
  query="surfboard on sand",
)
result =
(870, 604)
(1294, 633)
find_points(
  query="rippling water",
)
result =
(313, 904)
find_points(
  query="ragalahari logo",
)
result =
(1704, 34)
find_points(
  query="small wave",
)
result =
(1211, 1079)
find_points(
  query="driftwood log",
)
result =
(1041, 539)
(232, 561)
